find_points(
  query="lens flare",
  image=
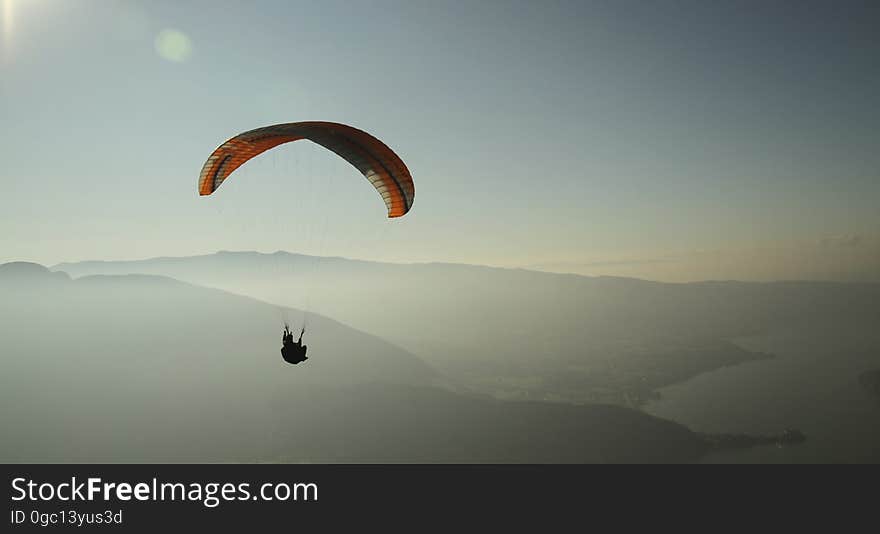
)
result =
(173, 45)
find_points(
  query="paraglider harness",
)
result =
(293, 351)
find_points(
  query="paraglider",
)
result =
(374, 159)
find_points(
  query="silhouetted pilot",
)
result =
(293, 351)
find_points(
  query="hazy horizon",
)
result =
(398, 353)
(621, 269)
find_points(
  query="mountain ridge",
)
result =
(68, 265)
(144, 368)
(531, 334)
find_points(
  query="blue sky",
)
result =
(666, 140)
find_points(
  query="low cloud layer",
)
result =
(846, 258)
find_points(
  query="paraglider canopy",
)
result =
(378, 163)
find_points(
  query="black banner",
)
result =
(150, 497)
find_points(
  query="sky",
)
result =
(664, 140)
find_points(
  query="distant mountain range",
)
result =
(202, 328)
(143, 368)
(526, 334)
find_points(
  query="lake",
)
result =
(811, 384)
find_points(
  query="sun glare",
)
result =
(7, 25)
